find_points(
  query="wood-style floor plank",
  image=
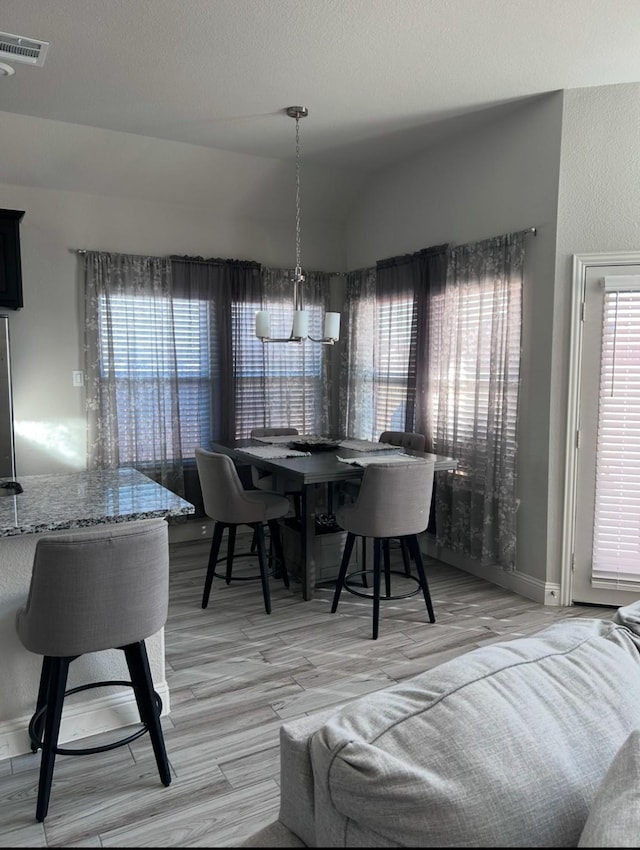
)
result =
(235, 674)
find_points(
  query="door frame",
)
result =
(581, 263)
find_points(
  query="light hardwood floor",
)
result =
(235, 674)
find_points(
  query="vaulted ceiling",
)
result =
(381, 78)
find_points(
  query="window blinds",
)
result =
(616, 532)
(393, 342)
(144, 342)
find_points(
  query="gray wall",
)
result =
(501, 177)
(567, 163)
(598, 212)
(86, 188)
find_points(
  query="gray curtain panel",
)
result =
(130, 333)
(474, 368)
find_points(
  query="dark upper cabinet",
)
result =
(10, 262)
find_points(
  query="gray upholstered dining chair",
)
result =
(228, 503)
(408, 440)
(393, 501)
(95, 590)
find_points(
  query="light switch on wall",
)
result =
(78, 379)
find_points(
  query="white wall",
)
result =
(86, 188)
(500, 177)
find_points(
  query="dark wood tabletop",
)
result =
(304, 473)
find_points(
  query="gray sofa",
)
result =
(532, 742)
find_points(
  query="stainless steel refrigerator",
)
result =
(7, 448)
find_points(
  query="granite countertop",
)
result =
(83, 499)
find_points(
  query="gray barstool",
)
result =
(230, 505)
(104, 588)
(408, 440)
(393, 501)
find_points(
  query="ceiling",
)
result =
(381, 78)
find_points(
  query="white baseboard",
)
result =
(546, 593)
(81, 720)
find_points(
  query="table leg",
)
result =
(308, 541)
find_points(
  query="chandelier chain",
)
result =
(298, 267)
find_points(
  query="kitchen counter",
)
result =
(56, 504)
(83, 499)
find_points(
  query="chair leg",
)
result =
(276, 541)
(346, 555)
(387, 566)
(405, 556)
(377, 546)
(254, 543)
(57, 682)
(264, 566)
(414, 548)
(231, 547)
(36, 727)
(365, 583)
(138, 664)
(213, 557)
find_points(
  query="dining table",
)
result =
(326, 461)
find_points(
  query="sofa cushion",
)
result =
(614, 816)
(504, 746)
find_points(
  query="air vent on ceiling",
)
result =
(21, 49)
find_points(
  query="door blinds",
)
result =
(616, 532)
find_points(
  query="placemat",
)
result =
(272, 452)
(367, 461)
(369, 446)
(277, 439)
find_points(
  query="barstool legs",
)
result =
(414, 548)
(57, 672)
(263, 558)
(44, 728)
(216, 540)
(346, 556)
(377, 546)
(264, 571)
(138, 664)
(382, 561)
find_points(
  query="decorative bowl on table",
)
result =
(314, 444)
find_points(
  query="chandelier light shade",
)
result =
(300, 327)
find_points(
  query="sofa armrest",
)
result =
(274, 834)
(297, 792)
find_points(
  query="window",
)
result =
(393, 345)
(151, 336)
(276, 383)
(151, 339)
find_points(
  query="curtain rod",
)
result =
(533, 230)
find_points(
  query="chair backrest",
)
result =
(273, 432)
(393, 500)
(97, 589)
(224, 498)
(406, 439)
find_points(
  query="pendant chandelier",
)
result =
(300, 328)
